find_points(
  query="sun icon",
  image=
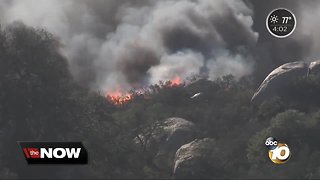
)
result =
(274, 19)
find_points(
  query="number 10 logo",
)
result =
(279, 153)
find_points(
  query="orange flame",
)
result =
(118, 97)
(175, 82)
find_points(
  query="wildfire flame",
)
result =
(176, 81)
(119, 97)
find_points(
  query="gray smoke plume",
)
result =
(127, 44)
(134, 43)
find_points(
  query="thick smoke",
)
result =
(183, 63)
(225, 63)
(135, 43)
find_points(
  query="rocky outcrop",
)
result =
(199, 158)
(282, 76)
(314, 67)
(166, 140)
(176, 132)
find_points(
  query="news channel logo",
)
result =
(279, 153)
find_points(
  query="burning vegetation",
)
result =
(120, 97)
(176, 81)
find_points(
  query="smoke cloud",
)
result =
(183, 64)
(226, 63)
(135, 43)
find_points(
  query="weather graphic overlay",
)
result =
(281, 23)
(279, 153)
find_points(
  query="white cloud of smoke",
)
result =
(237, 65)
(135, 43)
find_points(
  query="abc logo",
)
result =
(279, 153)
(271, 143)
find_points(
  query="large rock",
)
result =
(314, 67)
(282, 76)
(198, 159)
(166, 140)
(279, 78)
(176, 132)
